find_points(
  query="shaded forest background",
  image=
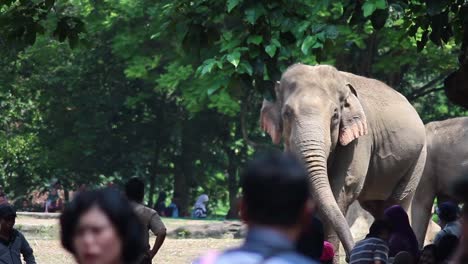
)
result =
(98, 91)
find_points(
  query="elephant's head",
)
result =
(316, 109)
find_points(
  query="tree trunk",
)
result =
(233, 188)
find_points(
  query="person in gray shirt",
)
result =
(448, 219)
(275, 206)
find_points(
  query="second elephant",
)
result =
(447, 159)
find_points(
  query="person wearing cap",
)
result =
(448, 221)
(12, 243)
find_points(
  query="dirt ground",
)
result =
(174, 251)
(43, 235)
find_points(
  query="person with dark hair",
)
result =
(310, 242)
(446, 247)
(403, 257)
(160, 206)
(374, 248)
(100, 227)
(402, 237)
(12, 242)
(275, 205)
(428, 255)
(135, 191)
(448, 220)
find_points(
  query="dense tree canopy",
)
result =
(99, 91)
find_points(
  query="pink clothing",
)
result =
(328, 251)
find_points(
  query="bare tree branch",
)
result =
(423, 93)
(426, 89)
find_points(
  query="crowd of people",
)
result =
(106, 226)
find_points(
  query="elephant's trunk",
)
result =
(315, 155)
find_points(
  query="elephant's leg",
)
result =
(406, 188)
(421, 211)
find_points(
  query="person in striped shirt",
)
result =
(374, 248)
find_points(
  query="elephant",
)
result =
(447, 159)
(358, 138)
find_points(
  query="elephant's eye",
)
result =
(288, 112)
(335, 114)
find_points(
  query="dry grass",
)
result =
(174, 251)
(47, 248)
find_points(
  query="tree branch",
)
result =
(425, 89)
(423, 93)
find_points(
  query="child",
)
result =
(12, 242)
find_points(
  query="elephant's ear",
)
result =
(353, 119)
(270, 119)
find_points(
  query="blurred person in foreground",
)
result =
(135, 191)
(271, 184)
(312, 238)
(12, 242)
(100, 227)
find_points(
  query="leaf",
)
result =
(231, 4)
(276, 43)
(271, 50)
(309, 41)
(368, 8)
(213, 89)
(254, 39)
(252, 14)
(381, 4)
(331, 32)
(234, 58)
(208, 66)
(246, 67)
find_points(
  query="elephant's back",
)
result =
(375, 90)
(389, 110)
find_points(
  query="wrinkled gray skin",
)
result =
(447, 159)
(359, 139)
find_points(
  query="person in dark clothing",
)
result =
(160, 206)
(428, 255)
(12, 242)
(310, 243)
(402, 237)
(446, 247)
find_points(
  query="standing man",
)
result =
(275, 205)
(135, 191)
(12, 242)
